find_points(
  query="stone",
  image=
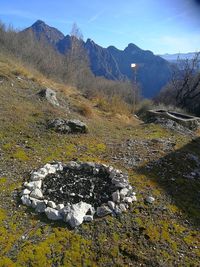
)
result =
(77, 213)
(116, 197)
(124, 192)
(77, 126)
(130, 199)
(122, 207)
(111, 205)
(33, 185)
(149, 199)
(60, 206)
(68, 126)
(50, 168)
(38, 205)
(53, 214)
(36, 193)
(39, 175)
(26, 200)
(49, 95)
(26, 192)
(51, 204)
(103, 211)
(88, 218)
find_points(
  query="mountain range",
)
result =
(181, 56)
(153, 72)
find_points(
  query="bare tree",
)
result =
(184, 88)
(186, 80)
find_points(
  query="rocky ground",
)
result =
(161, 162)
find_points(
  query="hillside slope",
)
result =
(162, 234)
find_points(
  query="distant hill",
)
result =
(153, 72)
(174, 57)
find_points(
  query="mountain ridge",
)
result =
(112, 63)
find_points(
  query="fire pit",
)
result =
(76, 192)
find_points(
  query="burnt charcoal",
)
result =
(72, 186)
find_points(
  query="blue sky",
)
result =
(162, 26)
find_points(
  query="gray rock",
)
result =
(26, 200)
(77, 213)
(103, 211)
(49, 95)
(88, 218)
(36, 193)
(39, 205)
(68, 126)
(77, 126)
(60, 206)
(53, 214)
(116, 197)
(111, 205)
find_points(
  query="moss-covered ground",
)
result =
(165, 233)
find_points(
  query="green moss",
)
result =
(3, 180)
(20, 155)
(6, 262)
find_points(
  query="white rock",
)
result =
(39, 175)
(34, 185)
(26, 192)
(88, 218)
(53, 214)
(50, 168)
(26, 200)
(122, 207)
(111, 205)
(77, 213)
(36, 193)
(60, 206)
(116, 197)
(124, 192)
(134, 198)
(150, 199)
(51, 204)
(103, 211)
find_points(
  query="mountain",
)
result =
(44, 31)
(152, 74)
(174, 57)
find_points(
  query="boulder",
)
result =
(49, 95)
(53, 214)
(68, 126)
(77, 126)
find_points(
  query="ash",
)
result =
(72, 186)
